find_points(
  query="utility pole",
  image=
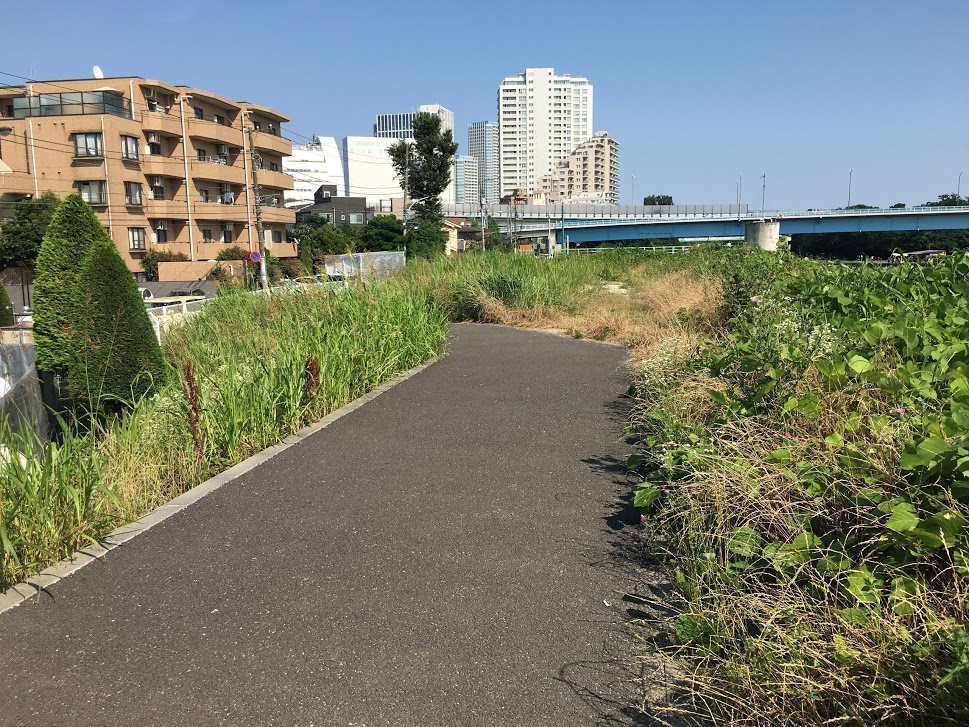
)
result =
(482, 224)
(256, 164)
(763, 193)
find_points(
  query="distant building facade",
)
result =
(401, 126)
(318, 162)
(542, 117)
(467, 189)
(164, 167)
(368, 171)
(339, 210)
(483, 146)
(589, 175)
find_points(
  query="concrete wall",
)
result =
(763, 234)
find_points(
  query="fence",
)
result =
(365, 266)
(21, 404)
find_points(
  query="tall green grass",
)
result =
(243, 374)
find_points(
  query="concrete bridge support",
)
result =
(763, 234)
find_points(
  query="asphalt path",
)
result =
(447, 554)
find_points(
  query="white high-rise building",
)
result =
(483, 146)
(465, 174)
(542, 118)
(401, 126)
(318, 162)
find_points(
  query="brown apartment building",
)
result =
(165, 167)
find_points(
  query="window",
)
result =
(154, 148)
(88, 145)
(198, 112)
(161, 231)
(356, 218)
(219, 119)
(256, 125)
(277, 236)
(201, 156)
(93, 192)
(157, 188)
(136, 238)
(227, 231)
(328, 216)
(206, 235)
(132, 193)
(204, 195)
(273, 167)
(129, 147)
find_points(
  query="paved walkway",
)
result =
(443, 555)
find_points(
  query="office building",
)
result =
(164, 167)
(542, 118)
(589, 175)
(483, 146)
(401, 126)
(311, 165)
(467, 189)
(368, 171)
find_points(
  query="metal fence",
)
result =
(21, 403)
(365, 266)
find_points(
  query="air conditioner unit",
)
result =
(223, 149)
(154, 137)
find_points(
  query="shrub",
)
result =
(149, 263)
(72, 230)
(118, 358)
(291, 267)
(232, 253)
(6, 308)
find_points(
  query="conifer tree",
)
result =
(72, 230)
(117, 358)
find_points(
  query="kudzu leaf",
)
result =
(745, 542)
(859, 364)
(903, 519)
(902, 595)
(864, 585)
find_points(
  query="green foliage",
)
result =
(318, 238)
(949, 200)
(661, 199)
(383, 232)
(150, 260)
(805, 474)
(424, 168)
(232, 253)
(291, 267)
(118, 359)
(849, 245)
(6, 308)
(21, 234)
(73, 229)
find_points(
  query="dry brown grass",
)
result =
(649, 312)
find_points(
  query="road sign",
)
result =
(254, 256)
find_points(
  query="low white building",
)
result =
(311, 165)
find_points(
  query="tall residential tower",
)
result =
(483, 146)
(542, 119)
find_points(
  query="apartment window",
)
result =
(256, 125)
(273, 167)
(219, 119)
(328, 216)
(356, 218)
(227, 231)
(129, 147)
(277, 236)
(206, 235)
(93, 192)
(154, 148)
(201, 155)
(157, 188)
(88, 145)
(161, 231)
(204, 195)
(132, 193)
(136, 238)
(198, 112)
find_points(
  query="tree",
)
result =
(424, 170)
(949, 200)
(898, 206)
(859, 207)
(655, 199)
(383, 232)
(22, 234)
(318, 238)
(117, 358)
(150, 260)
(6, 308)
(72, 230)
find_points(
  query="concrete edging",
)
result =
(37, 584)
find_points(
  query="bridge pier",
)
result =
(763, 234)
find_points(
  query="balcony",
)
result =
(165, 209)
(282, 249)
(272, 143)
(280, 215)
(159, 165)
(215, 210)
(217, 170)
(162, 120)
(277, 180)
(214, 131)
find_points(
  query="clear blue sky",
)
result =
(697, 93)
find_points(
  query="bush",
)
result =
(72, 230)
(232, 253)
(6, 308)
(291, 267)
(118, 359)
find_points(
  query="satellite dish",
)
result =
(98, 73)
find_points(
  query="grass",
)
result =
(243, 374)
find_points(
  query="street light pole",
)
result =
(850, 171)
(763, 193)
(634, 189)
(959, 186)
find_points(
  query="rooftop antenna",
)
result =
(98, 73)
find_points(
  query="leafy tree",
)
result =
(318, 238)
(73, 229)
(150, 260)
(118, 357)
(898, 206)
(849, 245)
(859, 207)
(653, 199)
(383, 232)
(424, 170)
(949, 200)
(22, 234)
(6, 308)
(232, 253)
